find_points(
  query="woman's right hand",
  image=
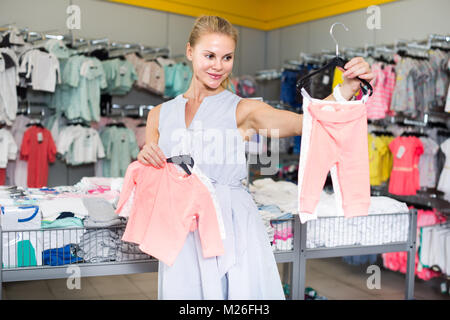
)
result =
(151, 154)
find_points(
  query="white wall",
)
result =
(404, 19)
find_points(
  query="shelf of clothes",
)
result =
(405, 85)
(75, 82)
(64, 225)
(29, 146)
(410, 160)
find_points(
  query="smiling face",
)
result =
(212, 59)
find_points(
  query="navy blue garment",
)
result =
(65, 214)
(359, 260)
(59, 256)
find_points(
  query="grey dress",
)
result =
(248, 268)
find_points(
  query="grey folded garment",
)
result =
(99, 245)
(99, 209)
(123, 256)
(90, 223)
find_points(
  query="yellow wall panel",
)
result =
(259, 14)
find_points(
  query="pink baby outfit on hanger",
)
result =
(338, 137)
(167, 205)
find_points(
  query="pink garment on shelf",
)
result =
(338, 137)
(167, 205)
(406, 153)
(397, 261)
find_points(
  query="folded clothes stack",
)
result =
(101, 245)
(101, 214)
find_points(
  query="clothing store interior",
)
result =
(78, 81)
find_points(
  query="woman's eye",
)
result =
(228, 58)
(209, 56)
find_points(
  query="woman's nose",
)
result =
(217, 64)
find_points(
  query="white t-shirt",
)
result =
(8, 147)
(43, 68)
(80, 145)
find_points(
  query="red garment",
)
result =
(2, 176)
(38, 149)
(397, 261)
(404, 178)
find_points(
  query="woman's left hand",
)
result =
(356, 67)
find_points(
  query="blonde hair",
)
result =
(213, 24)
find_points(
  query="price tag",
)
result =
(40, 137)
(326, 79)
(401, 152)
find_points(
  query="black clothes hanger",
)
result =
(382, 133)
(116, 124)
(183, 161)
(37, 124)
(9, 62)
(5, 41)
(335, 62)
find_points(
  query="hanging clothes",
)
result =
(427, 163)
(347, 150)
(380, 158)
(9, 79)
(444, 179)
(120, 147)
(406, 152)
(8, 148)
(120, 76)
(16, 172)
(38, 149)
(80, 145)
(378, 104)
(397, 261)
(42, 68)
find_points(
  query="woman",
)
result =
(248, 269)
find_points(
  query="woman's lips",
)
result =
(215, 76)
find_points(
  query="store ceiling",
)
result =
(259, 14)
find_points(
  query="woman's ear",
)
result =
(189, 50)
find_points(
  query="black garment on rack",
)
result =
(105, 104)
(100, 54)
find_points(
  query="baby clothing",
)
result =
(340, 128)
(427, 163)
(167, 205)
(406, 152)
(38, 149)
(8, 148)
(444, 179)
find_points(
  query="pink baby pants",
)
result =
(338, 137)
